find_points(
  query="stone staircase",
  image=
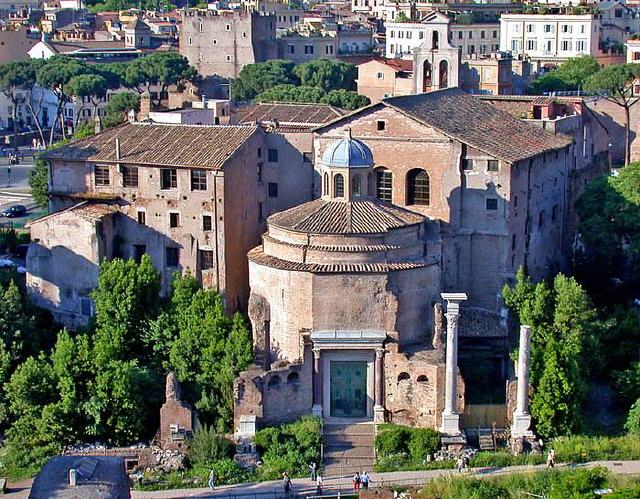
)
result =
(348, 447)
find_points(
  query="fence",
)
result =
(485, 415)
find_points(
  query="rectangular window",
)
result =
(492, 165)
(260, 211)
(130, 176)
(206, 259)
(273, 190)
(174, 220)
(272, 155)
(308, 49)
(482, 34)
(86, 307)
(532, 44)
(554, 213)
(581, 46)
(549, 28)
(172, 256)
(259, 152)
(380, 76)
(207, 223)
(459, 35)
(530, 28)
(138, 251)
(101, 175)
(168, 178)
(492, 204)
(292, 49)
(328, 49)
(565, 45)
(470, 35)
(467, 164)
(142, 217)
(382, 125)
(259, 172)
(541, 219)
(198, 180)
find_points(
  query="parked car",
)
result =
(17, 210)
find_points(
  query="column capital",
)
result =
(380, 352)
(316, 352)
(452, 318)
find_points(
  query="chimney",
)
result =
(117, 149)
(98, 124)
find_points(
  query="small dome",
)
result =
(348, 153)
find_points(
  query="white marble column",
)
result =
(450, 424)
(521, 418)
(378, 407)
(316, 410)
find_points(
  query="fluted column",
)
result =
(450, 418)
(316, 410)
(521, 418)
(378, 408)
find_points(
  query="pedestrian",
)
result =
(319, 484)
(312, 471)
(212, 480)
(551, 459)
(34, 143)
(460, 464)
(286, 483)
(364, 480)
(465, 462)
(356, 482)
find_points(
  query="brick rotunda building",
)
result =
(344, 307)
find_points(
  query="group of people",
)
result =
(361, 480)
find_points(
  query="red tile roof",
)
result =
(197, 146)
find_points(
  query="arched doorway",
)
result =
(426, 76)
(444, 74)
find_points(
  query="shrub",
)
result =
(632, 425)
(290, 447)
(423, 442)
(392, 439)
(228, 472)
(206, 446)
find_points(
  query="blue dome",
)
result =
(348, 153)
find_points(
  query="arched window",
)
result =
(356, 186)
(338, 186)
(426, 76)
(435, 40)
(325, 187)
(274, 382)
(422, 379)
(418, 187)
(444, 74)
(384, 182)
(403, 376)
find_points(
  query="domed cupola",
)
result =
(347, 167)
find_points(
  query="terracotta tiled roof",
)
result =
(257, 255)
(397, 64)
(298, 114)
(368, 216)
(159, 144)
(342, 248)
(64, 47)
(478, 124)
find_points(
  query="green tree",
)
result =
(291, 93)
(609, 227)
(17, 326)
(564, 335)
(209, 351)
(118, 108)
(56, 75)
(126, 301)
(121, 398)
(346, 99)
(615, 82)
(327, 74)
(571, 75)
(16, 79)
(88, 86)
(161, 69)
(256, 78)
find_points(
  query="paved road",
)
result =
(266, 490)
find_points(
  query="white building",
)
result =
(633, 51)
(403, 38)
(550, 37)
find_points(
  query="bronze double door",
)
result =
(348, 382)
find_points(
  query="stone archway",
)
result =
(426, 76)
